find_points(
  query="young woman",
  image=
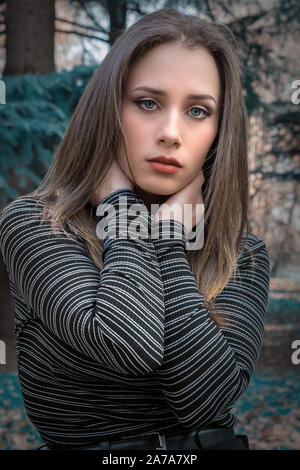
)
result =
(140, 342)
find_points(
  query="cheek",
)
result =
(205, 139)
(135, 128)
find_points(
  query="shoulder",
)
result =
(26, 212)
(19, 208)
(252, 248)
(23, 202)
(253, 242)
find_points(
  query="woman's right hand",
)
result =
(114, 180)
(190, 194)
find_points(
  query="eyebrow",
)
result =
(163, 93)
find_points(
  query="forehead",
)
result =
(171, 66)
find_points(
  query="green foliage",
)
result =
(283, 310)
(33, 122)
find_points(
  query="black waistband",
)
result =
(203, 439)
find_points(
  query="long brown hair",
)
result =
(94, 134)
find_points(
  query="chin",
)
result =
(156, 190)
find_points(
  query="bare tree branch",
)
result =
(97, 30)
(135, 7)
(80, 34)
(226, 9)
(86, 51)
(242, 23)
(92, 18)
(209, 10)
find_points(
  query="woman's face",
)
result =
(169, 122)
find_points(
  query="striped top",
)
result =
(130, 349)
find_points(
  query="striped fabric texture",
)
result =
(130, 349)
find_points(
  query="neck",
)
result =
(149, 198)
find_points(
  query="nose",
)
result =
(169, 131)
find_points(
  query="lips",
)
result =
(163, 167)
(166, 160)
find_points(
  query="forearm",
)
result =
(114, 316)
(201, 374)
(131, 284)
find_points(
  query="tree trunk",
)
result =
(117, 11)
(29, 37)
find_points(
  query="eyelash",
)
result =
(206, 113)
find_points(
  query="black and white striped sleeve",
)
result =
(207, 367)
(114, 316)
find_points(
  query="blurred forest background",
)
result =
(48, 52)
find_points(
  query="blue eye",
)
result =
(206, 113)
(143, 102)
(138, 102)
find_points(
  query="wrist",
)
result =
(164, 227)
(168, 212)
(112, 192)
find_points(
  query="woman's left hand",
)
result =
(190, 194)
